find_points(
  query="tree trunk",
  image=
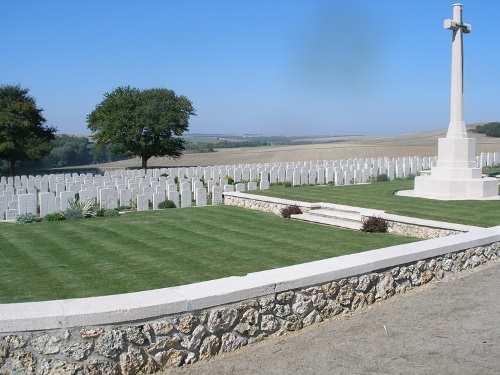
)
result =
(13, 167)
(144, 162)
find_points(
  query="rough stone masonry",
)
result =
(150, 346)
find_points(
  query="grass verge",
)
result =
(156, 249)
(380, 195)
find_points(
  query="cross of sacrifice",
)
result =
(456, 128)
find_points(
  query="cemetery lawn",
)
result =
(157, 249)
(380, 195)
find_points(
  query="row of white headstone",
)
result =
(147, 188)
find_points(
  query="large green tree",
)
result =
(142, 123)
(23, 135)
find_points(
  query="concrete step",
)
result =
(336, 214)
(347, 224)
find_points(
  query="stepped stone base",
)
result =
(456, 175)
(478, 188)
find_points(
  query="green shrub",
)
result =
(73, 214)
(287, 184)
(166, 204)
(230, 180)
(374, 224)
(56, 216)
(110, 213)
(410, 176)
(382, 178)
(26, 218)
(288, 211)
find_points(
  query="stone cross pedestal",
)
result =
(456, 175)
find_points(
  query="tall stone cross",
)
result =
(456, 128)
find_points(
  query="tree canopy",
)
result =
(491, 129)
(73, 150)
(23, 135)
(142, 123)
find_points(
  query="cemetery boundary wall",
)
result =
(148, 331)
(396, 224)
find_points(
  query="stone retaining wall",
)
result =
(418, 231)
(400, 225)
(273, 206)
(149, 346)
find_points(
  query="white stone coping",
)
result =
(264, 198)
(362, 210)
(140, 306)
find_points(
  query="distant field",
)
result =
(420, 144)
(200, 139)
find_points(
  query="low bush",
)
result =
(56, 216)
(109, 213)
(287, 184)
(230, 180)
(73, 214)
(166, 204)
(288, 211)
(26, 218)
(382, 178)
(374, 224)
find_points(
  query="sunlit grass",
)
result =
(156, 249)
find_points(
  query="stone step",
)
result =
(346, 224)
(336, 214)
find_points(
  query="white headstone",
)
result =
(125, 197)
(47, 203)
(201, 197)
(11, 214)
(27, 204)
(108, 199)
(264, 185)
(252, 186)
(173, 195)
(157, 199)
(142, 202)
(65, 197)
(186, 198)
(216, 195)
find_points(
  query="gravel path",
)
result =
(446, 327)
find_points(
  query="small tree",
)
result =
(143, 123)
(23, 135)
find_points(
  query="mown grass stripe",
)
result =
(155, 249)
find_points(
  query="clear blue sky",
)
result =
(296, 67)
